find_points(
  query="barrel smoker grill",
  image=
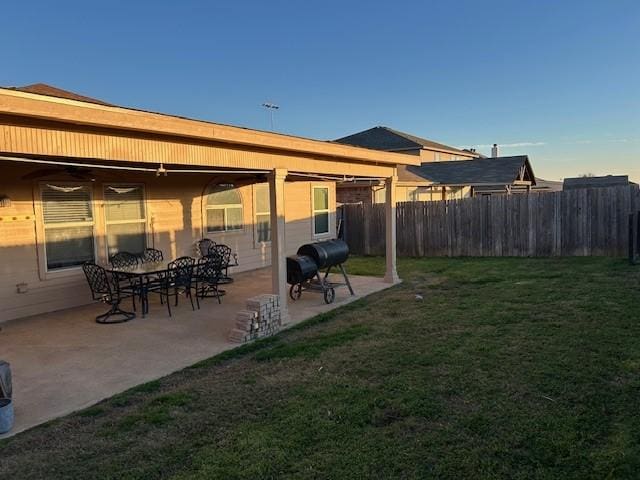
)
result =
(313, 259)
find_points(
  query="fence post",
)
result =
(366, 223)
(634, 237)
(637, 235)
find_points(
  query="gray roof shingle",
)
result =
(51, 91)
(385, 138)
(479, 171)
(595, 182)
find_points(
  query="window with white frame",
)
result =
(263, 213)
(320, 210)
(380, 195)
(68, 224)
(125, 217)
(224, 209)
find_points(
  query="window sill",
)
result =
(226, 232)
(62, 273)
(322, 235)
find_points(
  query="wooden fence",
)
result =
(569, 223)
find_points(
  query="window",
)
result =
(380, 195)
(125, 218)
(224, 209)
(263, 213)
(68, 225)
(436, 156)
(320, 210)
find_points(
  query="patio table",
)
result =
(141, 273)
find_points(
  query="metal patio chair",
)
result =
(208, 273)
(151, 255)
(203, 246)
(126, 284)
(106, 290)
(226, 255)
(124, 260)
(177, 281)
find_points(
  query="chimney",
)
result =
(494, 150)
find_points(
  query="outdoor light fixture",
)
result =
(161, 171)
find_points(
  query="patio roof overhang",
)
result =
(41, 128)
(32, 124)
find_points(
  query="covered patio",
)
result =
(83, 181)
(63, 361)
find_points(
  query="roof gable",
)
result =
(385, 138)
(51, 91)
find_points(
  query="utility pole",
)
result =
(271, 107)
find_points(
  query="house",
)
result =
(596, 182)
(82, 179)
(544, 186)
(466, 178)
(390, 140)
(445, 173)
(450, 180)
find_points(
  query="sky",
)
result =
(556, 80)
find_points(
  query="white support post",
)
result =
(391, 275)
(278, 253)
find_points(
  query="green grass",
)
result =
(472, 368)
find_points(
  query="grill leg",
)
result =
(346, 279)
(322, 281)
(326, 274)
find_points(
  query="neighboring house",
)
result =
(596, 182)
(390, 140)
(445, 173)
(82, 179)
(461, 179)
(543, 186)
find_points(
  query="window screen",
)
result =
(263, 213)
(320, 210)
(224, 209)
(68, 225)
(125, 218)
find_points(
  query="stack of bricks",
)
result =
(260, 319)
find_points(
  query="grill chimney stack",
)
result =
(494, 150)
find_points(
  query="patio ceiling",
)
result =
(241, 177)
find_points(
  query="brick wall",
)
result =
(354, 194)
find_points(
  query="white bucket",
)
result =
(6, 415)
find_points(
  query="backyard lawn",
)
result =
(472, 368)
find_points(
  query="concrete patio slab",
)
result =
(63, 361)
